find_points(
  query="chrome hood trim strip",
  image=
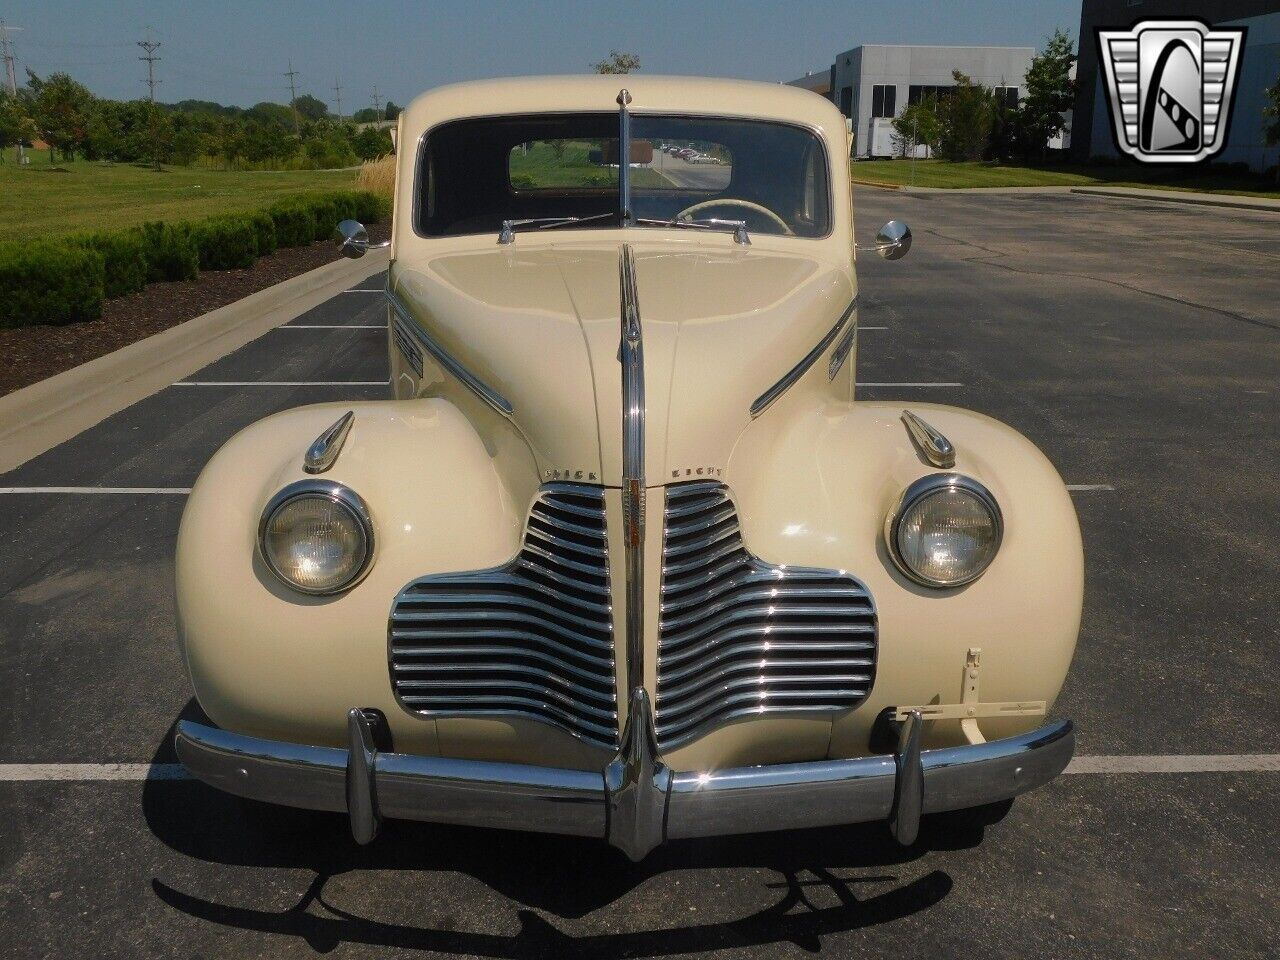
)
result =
(631, 356)
(767, 399)
(405, 323)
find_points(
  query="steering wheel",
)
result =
(731, 202)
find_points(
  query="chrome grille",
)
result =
(740, 637)
(533, 638)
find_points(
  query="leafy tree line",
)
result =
(968, 122)
(65, 114)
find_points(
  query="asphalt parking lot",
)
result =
(1137, 344)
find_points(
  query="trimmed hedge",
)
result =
(170, 252)
(65, 280)
(124, 257)
(225, 243)
(47, 282)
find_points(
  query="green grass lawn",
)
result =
(940, 173)
(37, 202)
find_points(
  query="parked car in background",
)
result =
(622, 556)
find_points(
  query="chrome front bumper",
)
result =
(637, 802)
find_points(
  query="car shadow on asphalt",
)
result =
(562, 876)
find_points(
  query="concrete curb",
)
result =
(1171, 196)
(45, 414)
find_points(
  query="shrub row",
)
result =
(65, 280)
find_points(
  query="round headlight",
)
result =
(945, 531)
(316, 536)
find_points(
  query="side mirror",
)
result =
(892, 241)
(353, 239)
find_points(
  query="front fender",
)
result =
(814, 487)
(267, 661)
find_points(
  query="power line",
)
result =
(293, 97)
(151, 46)
(377, 104)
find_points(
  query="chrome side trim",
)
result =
(406, 321)
(323, 452)
(936, 448)
(841, 353)
(676, 805)
(766, 399)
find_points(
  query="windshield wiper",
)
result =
(508, 232)
(739, 227)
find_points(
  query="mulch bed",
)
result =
(30, 354)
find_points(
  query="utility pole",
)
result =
(151, 46)
(337, 92)
(6, 48)
(377, 104)
(293, 97)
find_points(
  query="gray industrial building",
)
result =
(1259, 68)
(872, 84)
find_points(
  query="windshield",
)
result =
(550, 171)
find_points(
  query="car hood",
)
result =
(540, 324)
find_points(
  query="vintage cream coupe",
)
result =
(623, 557)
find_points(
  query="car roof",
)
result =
(596, 92)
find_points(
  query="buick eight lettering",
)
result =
(623, 556)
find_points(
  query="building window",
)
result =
(1006, 98)
(846, 101)
(916, 93)
(884, 100)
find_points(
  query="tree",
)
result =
(965, 115)
(1050, 93)
(617, 62)
(918, 124)
(391, 111)
(1271, 112)
(309, 108)
(61, 109)
(16, 125)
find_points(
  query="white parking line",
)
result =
(281, 383)
(1175, 763)
(1151, 764)
(174, 490)
(861, 328)
(333, 326)
(1086, 487)
(81, 772)
(365, 290)
(863, 384)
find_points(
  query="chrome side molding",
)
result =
(442, 356)
(936, 448)
(767, 399)
(323, 452)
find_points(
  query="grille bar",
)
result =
(739, 637)
(533, 638)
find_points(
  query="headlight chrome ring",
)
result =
(951, 485)
(345, 536)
